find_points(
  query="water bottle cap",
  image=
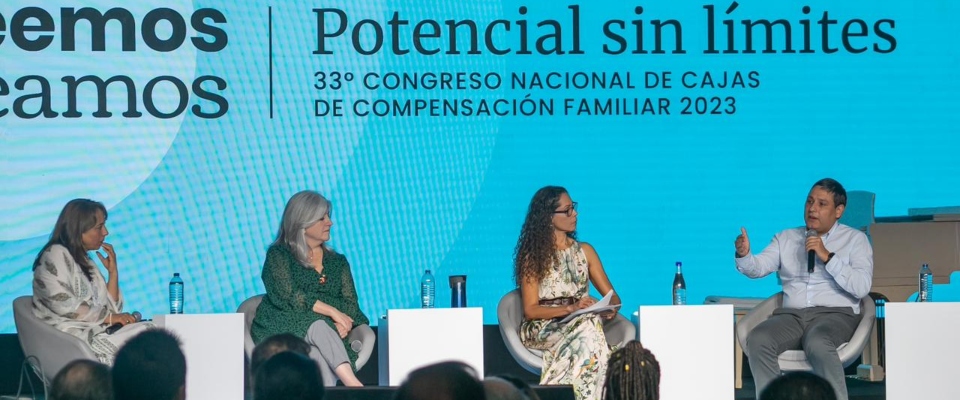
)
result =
(176, 274)
(679, 263)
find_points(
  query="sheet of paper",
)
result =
(598, 307)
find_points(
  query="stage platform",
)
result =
(386, 393)
(859, 390)
(497, 361)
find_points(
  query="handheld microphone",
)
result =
(116, 327)
(811, 255)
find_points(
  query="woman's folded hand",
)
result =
(342, 322)
(342, 330)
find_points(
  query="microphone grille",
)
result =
(136, 315)
(811, 233)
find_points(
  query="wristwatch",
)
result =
(829, 257)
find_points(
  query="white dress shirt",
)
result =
(840, 283)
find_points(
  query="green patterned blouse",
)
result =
(292, 289)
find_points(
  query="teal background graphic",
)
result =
(203, 197)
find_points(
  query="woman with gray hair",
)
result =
(310, 289)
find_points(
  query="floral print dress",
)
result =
(574, 353)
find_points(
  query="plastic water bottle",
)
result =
(926, 284)
(176, 294)
(679, 287)
(428, 288)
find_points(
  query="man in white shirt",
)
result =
(821, 309)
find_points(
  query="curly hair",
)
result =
(536, 250)
(632, 373)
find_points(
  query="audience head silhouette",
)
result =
(500, 389)
(522, 386)
(274, 345)
(82, 380)
(288, 376)
(632, 373)
(799, 386)
(150, 366)
(451, 380)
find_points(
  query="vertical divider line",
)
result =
(270, 51)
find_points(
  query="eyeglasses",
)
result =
(569, 210)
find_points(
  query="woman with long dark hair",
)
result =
(70, 293)
(554, 272)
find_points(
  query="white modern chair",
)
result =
(51, 348)
(249, 310)
(618, 331)
(796, 360)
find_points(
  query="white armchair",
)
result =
(52, 348)
(618, 331)
(796, 360)
(249, 310)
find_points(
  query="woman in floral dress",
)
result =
(554, 272)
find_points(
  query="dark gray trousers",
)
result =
(818, 331)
